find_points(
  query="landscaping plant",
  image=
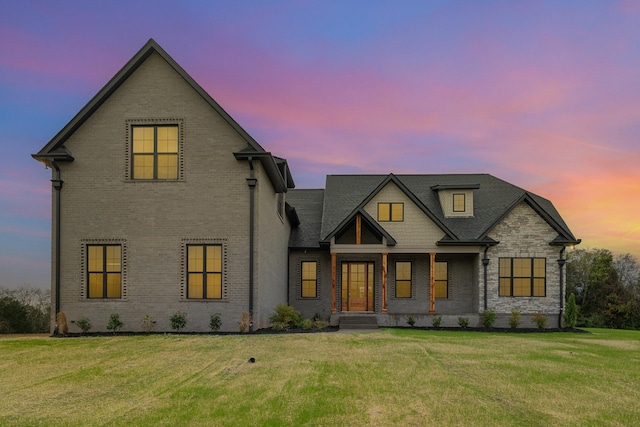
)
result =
(215, 322)
(540, 320)
(570, 317)
(84, 324)
(178, 321)
(115, 324)
(514, 319)
(488, 318)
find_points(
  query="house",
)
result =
(163, 203)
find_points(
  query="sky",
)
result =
(543, 94)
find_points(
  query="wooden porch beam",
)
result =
(384, 282)
(333, 282)
(432, 282)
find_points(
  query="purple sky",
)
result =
(545, 95)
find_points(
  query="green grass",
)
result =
(390, 377)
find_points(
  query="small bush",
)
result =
(463, 322)
(320, 324)
(286, 315)
(114, 324)
(540, 320)
(178, 321)
(84, 324)
(215, 322)
(436, 321)
(488, 318)
(411, 321)
(514, 319)
(570, 317)
(61, 323)
(148, 323)
(245, 322)
(307, 324)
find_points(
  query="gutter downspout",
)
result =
(251, 182)
(561, 263)
(56, 183)
(485, 263)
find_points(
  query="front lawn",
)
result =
(388, 377)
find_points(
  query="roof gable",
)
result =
(120, 77)
(54, 150)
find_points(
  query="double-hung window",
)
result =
(204, 271)
(523, 277)
(309, 279)
(104, 271)
(403, 279)
(441, 285)
(154, 152)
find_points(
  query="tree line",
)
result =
(606, 288)
(24, 310)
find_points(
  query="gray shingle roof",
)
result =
(493, 199)
(308, 206)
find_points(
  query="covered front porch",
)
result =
(395, 285)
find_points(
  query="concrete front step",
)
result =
(358, 322)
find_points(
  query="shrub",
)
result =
(307, 324)
(436, 321)
(463, 322)
(285, 316)
(245, 322)
(488, 318)
(514, 319)
(178, 321)
(540, 320)
(61, 321)
(320, 324)
(570, 317)
(114, 324)
(215, 322)
(411, 321)
(84, 324)
(148, 323)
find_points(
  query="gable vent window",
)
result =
(390, 212)
(154, 152)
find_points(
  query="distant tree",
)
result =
(14, 316)
(25, 310)
(606, 288)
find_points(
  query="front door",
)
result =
(357, 286)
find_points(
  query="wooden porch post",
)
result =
(358, 229)
(384, 282)
(333, 282)
(432, 282)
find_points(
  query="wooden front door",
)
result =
(357, 286)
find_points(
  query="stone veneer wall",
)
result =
(522, 233)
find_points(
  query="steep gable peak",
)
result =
(52, 149)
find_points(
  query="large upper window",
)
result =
(403, 279)
(204, 271)
(309, 279)
(441, 286)
(154, 152)
(523, 277)
(104, 271)
(391, 212)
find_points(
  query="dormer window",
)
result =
(459, 202)
(456, 200)
(390, 212)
